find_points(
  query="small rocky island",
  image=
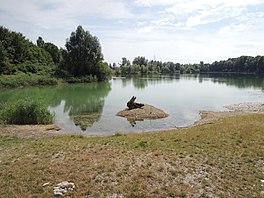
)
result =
(139, 111)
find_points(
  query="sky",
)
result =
(184, 31)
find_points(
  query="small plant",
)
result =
(26, 111)
(141, 143)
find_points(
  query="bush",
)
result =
(26, 111)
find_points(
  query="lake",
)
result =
(91, 108)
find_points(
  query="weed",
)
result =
(141, 144)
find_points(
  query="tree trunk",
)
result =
(131, 104)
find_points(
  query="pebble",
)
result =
(46, 184)
(63, 188)
(250, 106)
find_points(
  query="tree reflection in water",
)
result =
(84, 102)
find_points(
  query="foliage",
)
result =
(26, 112)
(140, 60)
(81, 79)
(52, 49)
(246, 64)
(15, 49)
(103, 71)
(25, 80)
(83, 54)
(243, 64)
(81, 61)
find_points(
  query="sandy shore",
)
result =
(208, 117)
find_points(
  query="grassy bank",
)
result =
(221, 159)
(26, 80)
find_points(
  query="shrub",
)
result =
(26, 111)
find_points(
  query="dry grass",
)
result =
(221, 159)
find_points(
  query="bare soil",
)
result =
(36, 131)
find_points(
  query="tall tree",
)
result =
(40, 42)
(83, 54)
(52, 49)
(140, 60)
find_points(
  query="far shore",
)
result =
(206, 117)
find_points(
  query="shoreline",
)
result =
(206, 117)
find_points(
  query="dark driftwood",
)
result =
(131, 104)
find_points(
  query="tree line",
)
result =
(140, 65)
(81, 60)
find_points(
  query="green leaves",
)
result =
(26, 111)
(15, 49)
(83, 53)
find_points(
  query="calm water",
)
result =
(181, 96)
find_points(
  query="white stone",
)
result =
(46, 184)
(63, 188)
(58, 193)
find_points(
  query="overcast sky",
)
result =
(185, 31)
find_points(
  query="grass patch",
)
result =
(223, 159)
(26, 111)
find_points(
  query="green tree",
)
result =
(125, 62)
(19, 50)
(40, 42)
(140, 60)
(2, 53)
(83, 54)
(52, 49)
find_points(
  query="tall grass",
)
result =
(26, 111)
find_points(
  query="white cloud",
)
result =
(176, 30)
(146, 3)
(163, 22)
(145, 29)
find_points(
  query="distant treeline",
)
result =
(23, 63)
(80, 61)
(140, 65)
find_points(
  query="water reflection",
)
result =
(83, 102)
(133, 121)
(142, 82)
(237, 80)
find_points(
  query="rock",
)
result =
(45, 184)
(58, 193)
(63, 188)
